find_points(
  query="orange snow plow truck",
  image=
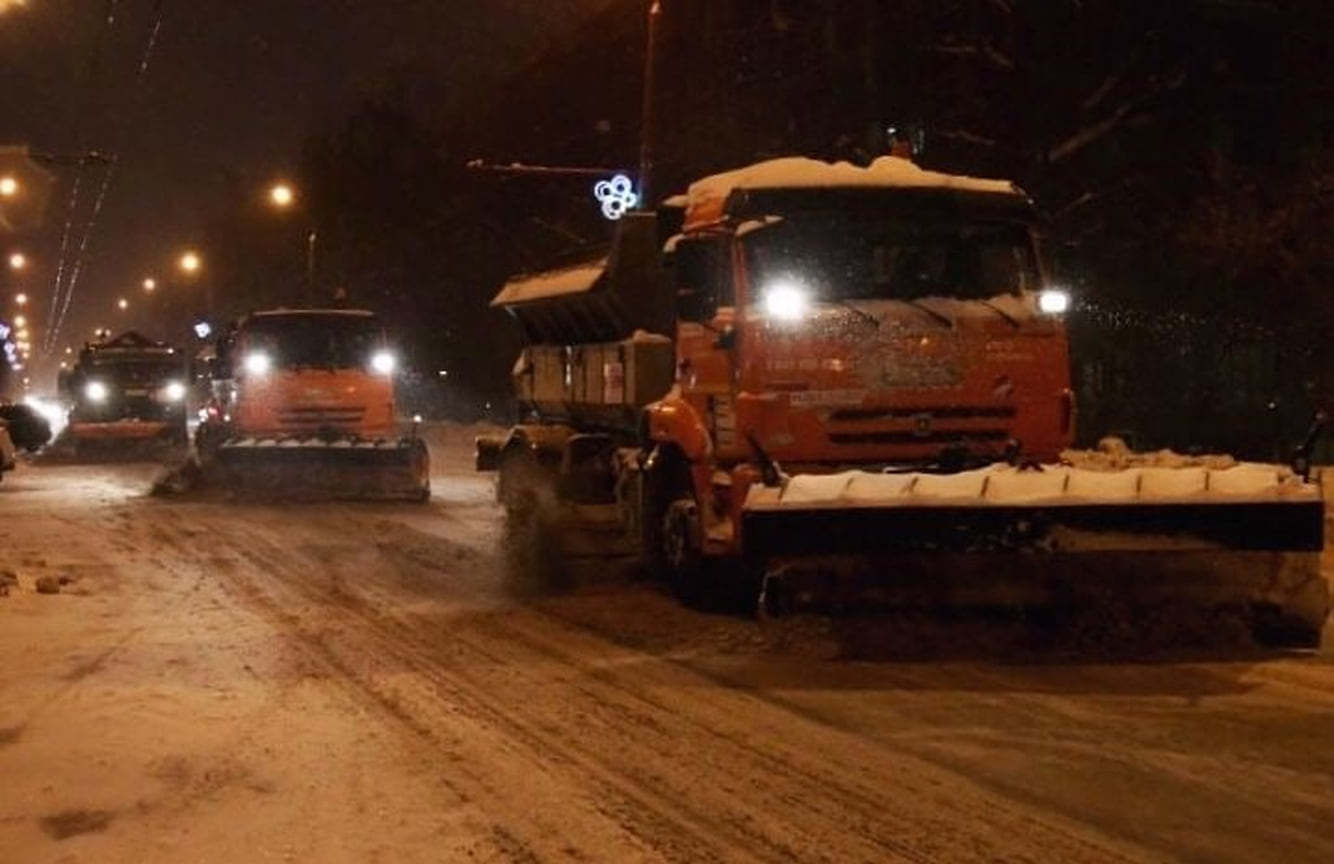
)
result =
(303, 404)
(822, 381)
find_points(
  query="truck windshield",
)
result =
(865, 258)
(321, 341)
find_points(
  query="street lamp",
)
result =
(190, 264)
(150, 284)
(17, 261)
(21, 299)
(122, 304)
(281, 195)
(9, 187)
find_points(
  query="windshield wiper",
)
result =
(1014, 322)
(846, 303)
(943, 319)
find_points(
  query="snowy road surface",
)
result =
(219, 682)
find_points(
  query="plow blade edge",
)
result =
(1246, 538)
(343, 469)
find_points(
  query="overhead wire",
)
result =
(62, 299)
(49, 338)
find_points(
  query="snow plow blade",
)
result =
(124, 441)
(1245, 538)
(344, 468)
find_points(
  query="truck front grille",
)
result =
(946, 424)
(937, 436)
(317, 417)
(953, 412)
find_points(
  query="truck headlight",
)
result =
(1054, 301)
(96, 391)
(174, 391)
(258, 363)
(786, 301)
(383, 362)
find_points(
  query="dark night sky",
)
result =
(233, 87)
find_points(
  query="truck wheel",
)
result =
(680, 560)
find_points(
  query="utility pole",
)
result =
(875, 125)
(311, 240)
(646, 129)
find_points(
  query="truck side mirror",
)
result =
(694, 272)
(692, 305)
(726, 340)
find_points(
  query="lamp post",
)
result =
(647, 116)
(190, 264)
(283, 197)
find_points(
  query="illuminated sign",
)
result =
(617, 196)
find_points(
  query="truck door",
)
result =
(702, 275)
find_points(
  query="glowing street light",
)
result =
(9, 187)
(20, 321)
(190, 262)
(122, 304)
(150, 284)
(17, 261)
(282, 195)
(21, 299)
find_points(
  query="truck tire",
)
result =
(681, 562)
(664, 481)
(672, 541)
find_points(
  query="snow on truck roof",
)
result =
(706, 198)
